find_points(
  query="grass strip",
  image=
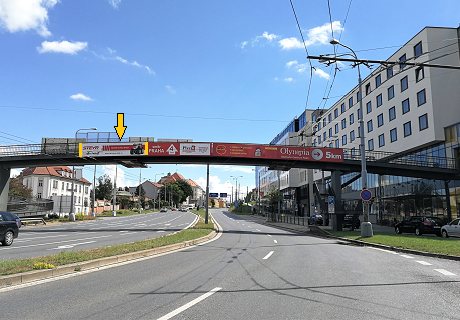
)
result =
(23, 265)
(412, 242)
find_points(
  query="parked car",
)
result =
(316, 219)
(452, 229)
(351, 221)
(9, 228)
(18, 220)
(163, 210)
(420, 225)
(174, 209)
(184, 209)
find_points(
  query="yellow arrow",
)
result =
(120, 127)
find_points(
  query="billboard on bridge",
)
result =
(277, 152)
(211, 149)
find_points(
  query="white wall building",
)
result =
(56, 183)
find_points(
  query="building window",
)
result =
(330, 145)
(404, 84)
(369, 107)
(344, 140)
(324, 135)
(407, 129)
(378, 81)
(63, 186)
(350, 102)
(313, 118)
(370, 144)
(352, 135)
(381, 140)
(403, 58)
(329, 117)
(342, 108)
(418, 49)
(39, 195)
(330, 132)
(336, 113)
(380, 120)
(392, 112)
(421, 97)
(419, 74)
(393, 136)
(391, 92)
(359, 114)
(389, 72)
(79, 189)
(319, 139)
(369, 126)
(315, 128)
(319, 126)
(344, 123)
(314, 142)
(358, 97)
(336, 143)
(40, 183)
(423, 122)
(405, 106)
(86, 190)
(379, 100)
(352, 118)
(336, 127)
(368, 88)
(324, 122)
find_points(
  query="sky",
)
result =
(206, 70)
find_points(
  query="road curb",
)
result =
(35, 275)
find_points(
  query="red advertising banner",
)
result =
(277, 152)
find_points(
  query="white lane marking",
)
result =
(406, 256)
(424, 263)
(445, 272)
(257, 229)
(275, 241)
(68, 246)
(268, 255)
(190, 304)
(269, 235)
(387, 251)
(52, 243)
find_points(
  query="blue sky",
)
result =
(215, 70)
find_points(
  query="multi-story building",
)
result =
(406, 110)
(55, 183)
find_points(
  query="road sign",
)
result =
(213, 195)
(223, 195)
(330, 204)
(366, 195)
(287, 196)
(296, 207)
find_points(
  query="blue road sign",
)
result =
(366, 195)
(330, 200)
(223, 195)
(213, 195)
(287, 196)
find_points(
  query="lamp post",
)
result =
(236, 190)
(323, 185)
(366, 226)
(72, 213)
(157, 194)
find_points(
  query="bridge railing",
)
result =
(408, 159)
(39, 149)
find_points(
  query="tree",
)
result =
(213, 203)
(17, 188)
(248, 197)
(124, 202)
(127, 188)
(171, 190)
(273, 197)
(186, 189)
(104, 190)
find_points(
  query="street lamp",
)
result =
(366, 226)
(236, 190)
(71, 213)
(156, 194)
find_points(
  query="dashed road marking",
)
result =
(406, 256)
(445, 272)
(268, 255)
(275, 241)
(424, 263)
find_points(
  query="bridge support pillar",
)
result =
(337, 216)
(4, 187)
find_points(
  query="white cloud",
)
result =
(234, 168)
(290, 43)
(291, 63)
(315, 36)
(80, 96)
(276, 79)
(62, 47)
(288, 79)
(122, 60)
(243, 44)
(269, 37)
(14, 173)
(321, 74)
(23, 15)
(114, 3)
(110, 171)
(170, 89)
(265, 37)
(215, 185)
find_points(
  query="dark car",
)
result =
(420, 225)
(9, 228)
(316, 219)
(18, 220)
(351, 221)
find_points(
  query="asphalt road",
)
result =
(45, 240)
(251, 271)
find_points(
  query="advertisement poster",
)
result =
(111, 149)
